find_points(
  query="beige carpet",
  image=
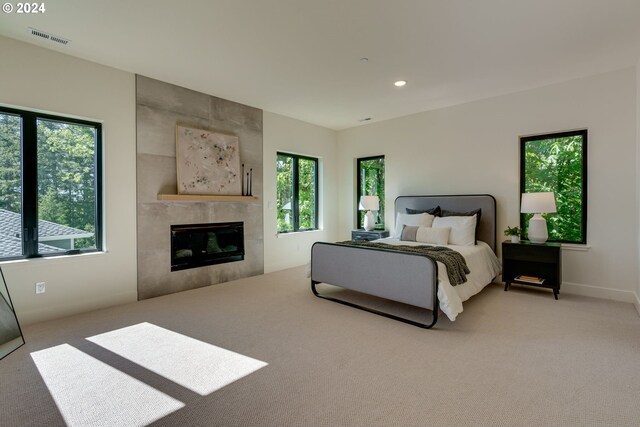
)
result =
(514, 358)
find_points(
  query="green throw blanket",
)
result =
(457, 269)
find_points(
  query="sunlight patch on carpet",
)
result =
(196, 365)
(89, 392)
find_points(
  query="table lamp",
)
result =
(538, 203)
(369, 203)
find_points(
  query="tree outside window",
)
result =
(370, 183)
(296, 193)
(557, 162)
(50, 174)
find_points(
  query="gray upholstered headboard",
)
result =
(486, 230)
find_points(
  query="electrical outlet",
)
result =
(40, 287)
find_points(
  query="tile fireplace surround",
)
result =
(160, 106)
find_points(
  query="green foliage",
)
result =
(66, 173)
(284, 193)
(307, 195)
(371, 173)
(66, 176)
(513, 231)
(286, 199)
(10, 175)
(555, 164)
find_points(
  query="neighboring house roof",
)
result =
(12, 246)
(11, 222)
(11, 242)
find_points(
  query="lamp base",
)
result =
(369, 221)
(537, 232)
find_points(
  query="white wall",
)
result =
(474, 148)
(637, 297)
(293, 136)
(36, 78)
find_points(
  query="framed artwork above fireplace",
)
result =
(207, 162)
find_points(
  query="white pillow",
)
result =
(463, 229)
(421, 220)
(437, 236)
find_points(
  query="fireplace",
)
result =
(198, 245)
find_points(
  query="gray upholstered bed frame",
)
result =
(403, 277)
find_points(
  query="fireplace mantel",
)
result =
(204, 198)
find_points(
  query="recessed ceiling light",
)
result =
(400, 83)
(365, 59)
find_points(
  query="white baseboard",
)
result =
(598, 292)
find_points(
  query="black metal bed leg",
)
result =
(313, 288)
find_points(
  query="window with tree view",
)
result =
(50, 185)
(371, 183)
(557, 162)
(297, 193)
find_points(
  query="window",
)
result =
(557, 162)
(371, 183)
(297, 193)
(50, 185)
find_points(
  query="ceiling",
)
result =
(302, 58)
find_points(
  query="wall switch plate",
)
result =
(40, 287)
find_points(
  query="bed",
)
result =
(411, 278)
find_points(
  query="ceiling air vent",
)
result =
(47, 36)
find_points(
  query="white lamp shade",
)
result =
(538, 202)
(369, 203)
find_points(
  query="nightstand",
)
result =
(535, 260)
(363, 235)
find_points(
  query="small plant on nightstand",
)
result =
(514, 233)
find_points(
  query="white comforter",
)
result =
(483, 264)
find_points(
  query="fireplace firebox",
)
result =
(199, 245)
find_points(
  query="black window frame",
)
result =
(295, 197)
(580, 132)
(29, 181)
(359, 213)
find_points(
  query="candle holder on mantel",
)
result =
(247, 182)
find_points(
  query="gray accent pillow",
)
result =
(436, 236)
(433, 211)
(409, 233)
(445, 212)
